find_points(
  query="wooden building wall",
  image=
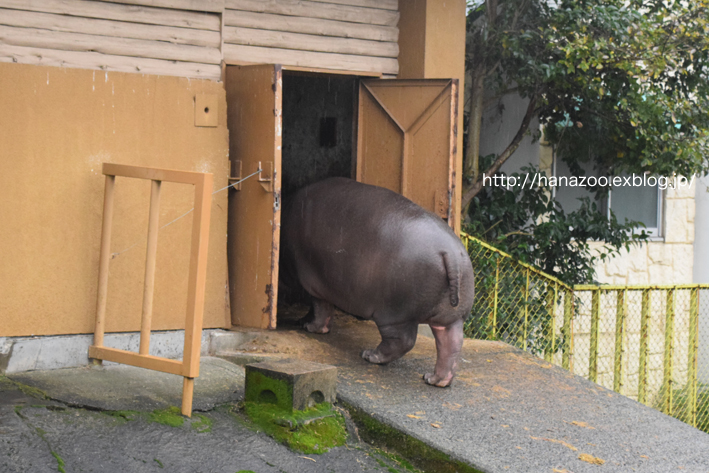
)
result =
(355, 35)
(163, 37)
(191, 38)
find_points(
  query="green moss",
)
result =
(263, 389)
(159, 463)
(202, 424)
(29, 390)
(60, 462)
(397, 460)
(171, 416)
(420, 454)
(314, 430)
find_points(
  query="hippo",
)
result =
(376, 255)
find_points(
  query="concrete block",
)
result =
(224, 342)
(291, 384)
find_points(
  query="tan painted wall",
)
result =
(56, 128)
(432, 46)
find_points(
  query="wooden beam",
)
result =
(307, 42)
(238, 54)
(296, 24)
(142, 172)
(37, 38)
(216, 6)
(121, 29)
(107, 63)
(327, 11)
(134, 359)
(114, 11)
(383, 4)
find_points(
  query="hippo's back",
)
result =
(367, 249)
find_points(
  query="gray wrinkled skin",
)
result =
(378, 256)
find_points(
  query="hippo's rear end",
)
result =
(375, 254)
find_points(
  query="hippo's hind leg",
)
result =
(319, 322)
(449, 341)
(397, 340)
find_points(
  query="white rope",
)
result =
(114, 255)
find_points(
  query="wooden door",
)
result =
(406, 139)
(254, 104)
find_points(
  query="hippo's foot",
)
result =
(312, 327)
(449, 340)
(440, 381)
(318, 319)
(373, 356)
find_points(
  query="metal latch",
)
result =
(235, 174)
(265, 177)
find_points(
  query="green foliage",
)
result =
(532, 227)
(314, 430)
(621, 84)
(624, 81)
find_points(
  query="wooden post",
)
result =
(619, 337)
(644, 327)
(593, 349)
(150, 257)
(104, 258)
(196, 285)
(187, 396)
(669, 345)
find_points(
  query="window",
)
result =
(642, 203)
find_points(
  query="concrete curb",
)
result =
(20, 354)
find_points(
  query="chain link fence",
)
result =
(650, 343)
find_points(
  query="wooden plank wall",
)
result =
(165, 37)
(355, 35)
(191, 38)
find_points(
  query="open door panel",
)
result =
(254, 103)
(406, 139)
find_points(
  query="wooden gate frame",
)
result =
(189, 366)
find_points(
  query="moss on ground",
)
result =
(420, 454)
(201, 423)
(315, 430)
(264, 389)
(171, 416)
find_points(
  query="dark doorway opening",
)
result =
(318, 128)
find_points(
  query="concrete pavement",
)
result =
(507, 411)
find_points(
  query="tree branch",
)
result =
(473, 190)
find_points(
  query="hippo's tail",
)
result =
(453, 272)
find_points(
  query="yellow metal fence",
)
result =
(650, 343)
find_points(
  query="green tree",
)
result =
(622, 83)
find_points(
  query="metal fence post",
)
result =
(567, 330)
(619, 336)
(551, 327)
(493, 322)
(644, 325)
(693, 353)
(526, 311)
(669, 344)
(593, 349)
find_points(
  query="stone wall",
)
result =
(664, 260)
